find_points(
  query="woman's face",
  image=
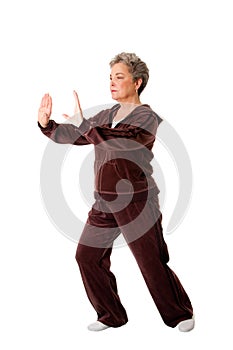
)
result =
(122, 86)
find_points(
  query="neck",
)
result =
(134, 100)
(125, 109)
(129, 105)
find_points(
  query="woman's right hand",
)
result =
(45, 110)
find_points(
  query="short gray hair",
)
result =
(137, 67)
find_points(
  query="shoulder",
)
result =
(99, 115)
(145, 109)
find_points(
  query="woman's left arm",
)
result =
(139, 133)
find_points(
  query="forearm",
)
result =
(66, 133)
(123, 142)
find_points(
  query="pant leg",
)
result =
(94, 264)
(151, 254)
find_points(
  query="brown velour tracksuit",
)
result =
(126, 201)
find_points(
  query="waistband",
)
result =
(125, 197)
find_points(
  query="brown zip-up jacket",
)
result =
(121, 153)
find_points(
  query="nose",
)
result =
(112, 83)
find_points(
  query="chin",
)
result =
(115, 98)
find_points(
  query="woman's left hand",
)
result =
(77, 108)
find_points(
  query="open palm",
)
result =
(45, 110)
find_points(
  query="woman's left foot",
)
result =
(187, 325)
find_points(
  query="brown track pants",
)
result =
(140, 224)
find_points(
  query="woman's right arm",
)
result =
(62, 133)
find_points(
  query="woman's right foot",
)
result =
(97, 326)
(187, 325)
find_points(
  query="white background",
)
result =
(55, 47)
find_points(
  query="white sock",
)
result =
(187, 325)
(97, 326)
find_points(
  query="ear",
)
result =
(138, 83)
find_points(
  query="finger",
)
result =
(47, 100)
(77, 104)
(49, 103)
(42, 104)
(76, 101)
(44, 100)
(75, 95)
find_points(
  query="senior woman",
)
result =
(126, 198)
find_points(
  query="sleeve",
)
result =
(66, 133)
(134, 136)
